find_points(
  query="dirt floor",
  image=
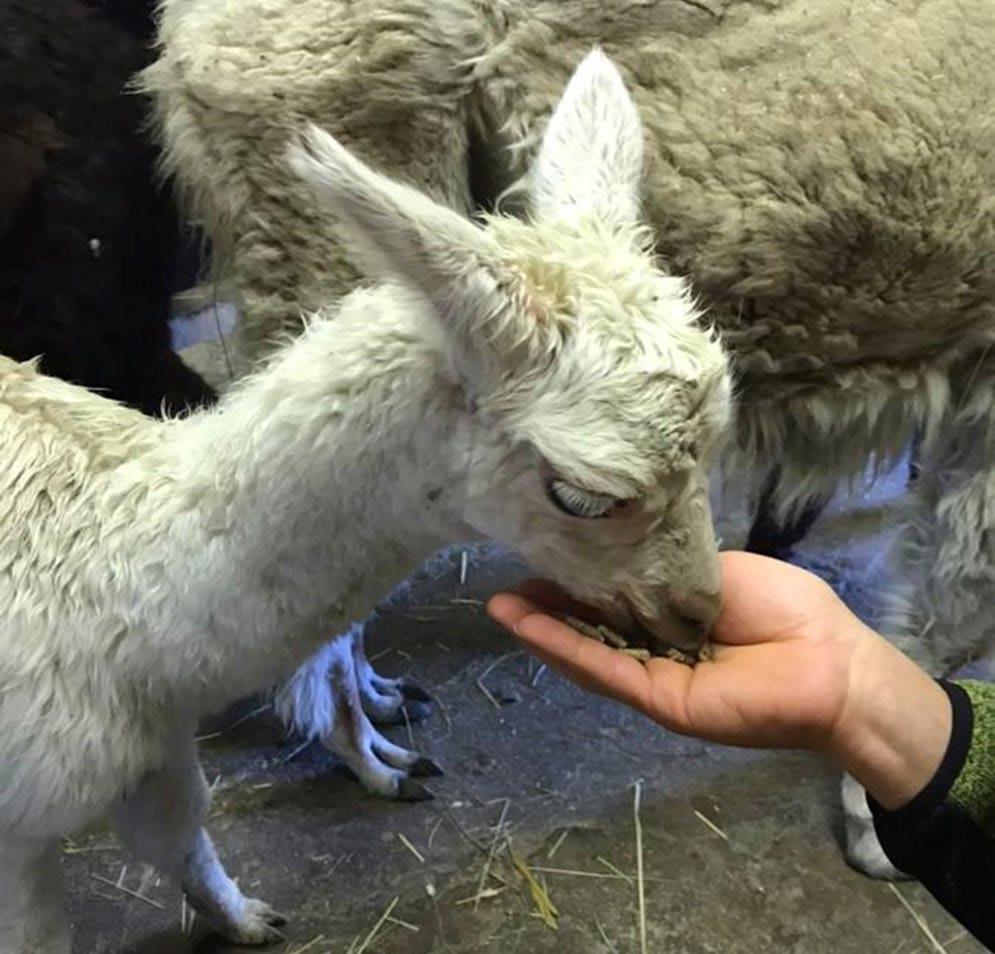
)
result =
(741, 850)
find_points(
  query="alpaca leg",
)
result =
(162, 822)
(386, 701)
(382, 767)
(322, 700)
(32, 919)
(773, 537)
(939, 611)
(915, 452)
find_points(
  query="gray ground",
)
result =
(741, 849)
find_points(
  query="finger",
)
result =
(659, 689)
(670, 682)
(509, 609)
(550, 596)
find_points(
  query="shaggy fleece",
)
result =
(820, 170)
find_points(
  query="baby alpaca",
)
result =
(541, 383)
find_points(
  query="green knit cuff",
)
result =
(974, 789)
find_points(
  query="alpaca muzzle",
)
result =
(679, 628)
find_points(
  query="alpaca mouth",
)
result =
(669, 635)
(673, 634)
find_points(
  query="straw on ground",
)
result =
(705, 820)
(128, 891)
(545, 908)
(353, 949)
(919, 919)
(640, 883)
(407, 844)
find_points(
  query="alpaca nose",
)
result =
(683, 621)
(699, 607)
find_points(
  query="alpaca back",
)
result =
(821, 172)
(60, 582)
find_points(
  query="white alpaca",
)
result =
(499, 376)
(820, 169)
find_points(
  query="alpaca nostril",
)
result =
(693, 623)
(698, 609)
(677, 626)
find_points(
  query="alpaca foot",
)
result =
(253, 922)
(863, 850)
(425, 768)
(386, 701)
(408, 790)
(393, 701)
(259, 924)
(382, 767)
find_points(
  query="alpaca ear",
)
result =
(591, 157)
(395, 232)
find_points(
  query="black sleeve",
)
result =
(935, 839)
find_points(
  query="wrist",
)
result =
(895, 724)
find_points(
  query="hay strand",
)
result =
(498, 832)
(308, 946)
(705, 820)
(919, 919)
(376, 927)
(69, 847)
(609, 943)
(545, 909)
(640, 882)
(482, 895)
(128, 891)
(577, 873)
(407, 844)
(556, 844)
(489, 669)
(235, 724)
(613, 869)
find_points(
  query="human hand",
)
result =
(782, 646)
(792, 668)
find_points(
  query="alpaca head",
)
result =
(595, 399)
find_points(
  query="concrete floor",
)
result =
(741, 849)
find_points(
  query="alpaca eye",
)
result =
(580, 503)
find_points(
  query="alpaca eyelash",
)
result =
(575, 502)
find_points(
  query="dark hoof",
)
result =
(425, 768)
(416, 711)
(411, 690)
(408, 790)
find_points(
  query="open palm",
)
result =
(783, 653)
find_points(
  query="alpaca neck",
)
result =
(314, 487)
